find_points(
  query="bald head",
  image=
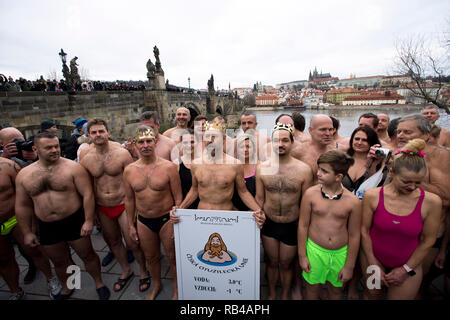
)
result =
(183, 109)
(319, 120)
(182, 117)
(321, 129)
(7, 135)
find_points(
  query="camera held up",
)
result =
(23, 145)
(382, 152)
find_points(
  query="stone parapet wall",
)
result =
(121, 109)
(26, 110)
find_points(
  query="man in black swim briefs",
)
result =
(279, 195)
(58, 192)
(152, 187)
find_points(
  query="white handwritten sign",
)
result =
(217, 254)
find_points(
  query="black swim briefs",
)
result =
(284, 232)
(67, 229)
(154, 224)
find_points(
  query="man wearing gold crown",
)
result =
(152, 187)
(280, 195)
(215, 175)
(105, 162)
(164, 145)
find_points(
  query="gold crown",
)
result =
(144, 134)
(283, 126)
(216, 125)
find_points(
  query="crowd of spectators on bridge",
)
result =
(8, 84)
(43, 85)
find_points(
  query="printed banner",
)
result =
(217, 254)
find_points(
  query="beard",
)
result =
(181, 123)
(99, 141)
(280, 151)
(211, 149)
(53, 157)
(215, 251)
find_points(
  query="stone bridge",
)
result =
(167, 102)
(121, 109)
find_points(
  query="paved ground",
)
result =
(38, 289)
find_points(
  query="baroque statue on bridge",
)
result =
(158, 67)
(151, 69)
(155, 73)
(211, 85)
(65, 69)
(74, 75)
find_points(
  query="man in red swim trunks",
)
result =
(105, 161)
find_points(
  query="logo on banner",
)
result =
(216, 253)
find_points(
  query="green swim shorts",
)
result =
(325, 264)
(7, 226)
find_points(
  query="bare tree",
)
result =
(416, 58)
(85, 75)
(445, 38)
(52, 75)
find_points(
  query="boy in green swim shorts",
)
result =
(329, 228)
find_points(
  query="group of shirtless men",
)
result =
(133, 190)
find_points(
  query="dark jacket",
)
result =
(70, 148)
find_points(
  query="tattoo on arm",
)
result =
(9, 165)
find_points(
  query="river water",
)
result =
(347, 118)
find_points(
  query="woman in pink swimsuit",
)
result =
(400, 225)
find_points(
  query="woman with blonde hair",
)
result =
(246, 148)
(399, 226)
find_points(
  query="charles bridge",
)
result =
(121, 109)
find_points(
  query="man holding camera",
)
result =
(16, 148)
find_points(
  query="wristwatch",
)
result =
(410, 271)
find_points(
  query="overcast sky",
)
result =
(240, 42)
